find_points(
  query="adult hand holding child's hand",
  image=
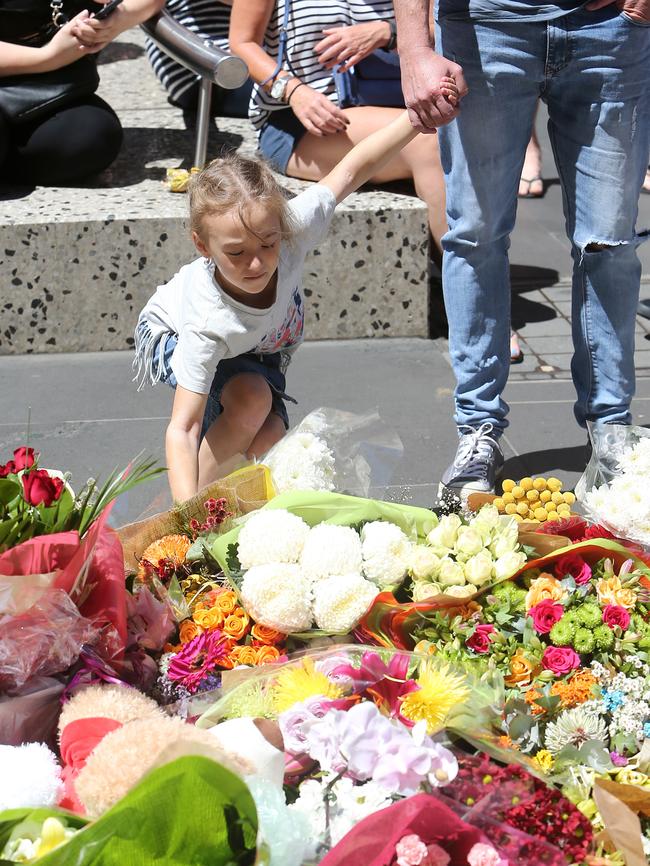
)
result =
(428, 94)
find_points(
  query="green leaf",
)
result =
(9, 490)
(519, 727)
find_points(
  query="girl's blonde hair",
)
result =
(234, 183)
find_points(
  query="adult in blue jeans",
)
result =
(591, 66)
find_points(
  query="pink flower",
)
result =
(545, 615)
(198, 657)
(614, 615)
(410, 850)
(480, 640)
(560, 659)
(574, 566)
(485, 855)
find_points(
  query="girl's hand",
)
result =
(95, 35)
(345, 46)
(316, 113)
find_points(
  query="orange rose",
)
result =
(464, 611)
(425, 648)
(267, 654)
(244, 655)
(611, 591)
(189, 630)
(212, 618)
(544, 587)
(264, 634)
(520, 671)
(236, 626)
(225, 601)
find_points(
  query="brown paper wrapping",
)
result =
(619, 806)
(244, 491)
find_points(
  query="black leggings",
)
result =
(73, 144)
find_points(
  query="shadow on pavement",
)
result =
(552, 459)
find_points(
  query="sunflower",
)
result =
(169, 548)
(440, 690)
(298, 682)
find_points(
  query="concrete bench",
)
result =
(78, 264)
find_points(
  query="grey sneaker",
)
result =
(477, 464)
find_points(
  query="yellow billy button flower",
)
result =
(539, 484)
(526, 484)
(507, 485)
(440, 691)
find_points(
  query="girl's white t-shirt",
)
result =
(211, 325)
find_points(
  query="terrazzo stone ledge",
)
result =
(78, 264)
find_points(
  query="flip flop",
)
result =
(530, 181)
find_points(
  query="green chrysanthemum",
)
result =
(589, 615)
(562, 632)
(583, 641)
(603, 637)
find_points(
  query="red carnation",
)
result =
(480, 640)
(40, 488)
(23, 458)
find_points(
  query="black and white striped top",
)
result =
(210, 20)
(307, 20)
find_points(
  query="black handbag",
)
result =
(375, 80)
(25, 98)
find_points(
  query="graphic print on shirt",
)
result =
(290, 332)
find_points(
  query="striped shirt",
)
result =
(210, 20)
(307, 20)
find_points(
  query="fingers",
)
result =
(416, 123)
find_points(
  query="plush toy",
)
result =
(31, 776)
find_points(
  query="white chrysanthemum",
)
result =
(277, 595)
(31, 777)
(341, 601)
(573, 728)
(385, 549)
(301, 461)
(330, 550)
(636, 460)
(271, 535)
(424, 564)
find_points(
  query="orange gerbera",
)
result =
(172, 548)
(576, 690)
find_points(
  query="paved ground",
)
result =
(87, 417)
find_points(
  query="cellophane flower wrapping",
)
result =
(335, 450)
(614, 489)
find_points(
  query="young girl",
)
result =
(222, 331)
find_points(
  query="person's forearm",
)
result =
(370, 155)
(260, 65)
(21, 59)
(134, 12)
(182, 452)
(413, 24)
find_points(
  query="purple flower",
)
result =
(150, 622)
(617, 759)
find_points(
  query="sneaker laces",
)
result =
(475, 450)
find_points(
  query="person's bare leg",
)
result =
(246, 401)
(315, 156)
(271, 431)
(531, 184)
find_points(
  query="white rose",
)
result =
(466, 591)
(486, 520)
(423, 562)
(478, 569)
(423, 589)
(502, 544)
(508, 564)
(451, 573)
(469, 542)
(444, 534)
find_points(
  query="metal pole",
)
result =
(203, 123)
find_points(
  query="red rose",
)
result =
(614, 615)
(23, 458)
(39, 488)
(574, 566)
(545, 615)
(573, 527)
(8, 469)
(480, 640)
(560, 659)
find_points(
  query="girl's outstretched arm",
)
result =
(182, 443)
(368, 156)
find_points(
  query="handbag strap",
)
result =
(282, 44)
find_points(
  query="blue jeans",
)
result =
(592, 70)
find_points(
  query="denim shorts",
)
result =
(279, 138)
(268, 366)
